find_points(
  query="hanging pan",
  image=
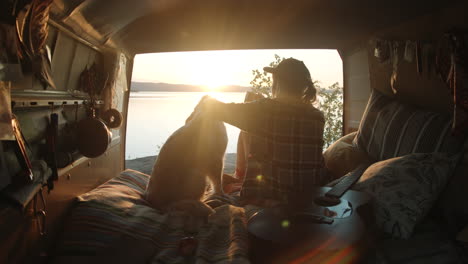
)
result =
(93, 136)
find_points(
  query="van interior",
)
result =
(65, 78)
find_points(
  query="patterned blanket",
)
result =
(114, 220)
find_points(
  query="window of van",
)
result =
(167, 86)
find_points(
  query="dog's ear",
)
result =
(205, 97)
(191, 116)
(198, 108)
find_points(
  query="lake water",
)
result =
(154, 116)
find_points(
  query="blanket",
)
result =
(115, 221)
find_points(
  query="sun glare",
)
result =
(212, 84)
(210, 73)
(214, 69)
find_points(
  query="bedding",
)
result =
(113, 224)
(116, 221)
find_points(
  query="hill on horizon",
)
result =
(168, 87)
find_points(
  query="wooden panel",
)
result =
(62, 59)
(356, 88)
(82, 54)
(52, 39)
(93, 58)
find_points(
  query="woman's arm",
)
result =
(245, 116)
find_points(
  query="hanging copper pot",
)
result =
(93, 137)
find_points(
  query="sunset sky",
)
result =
(217, 68)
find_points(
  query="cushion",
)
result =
(391, 129)
(449, 209)
(405, 188)
(462, 236)
(342, 156)
(429, 244)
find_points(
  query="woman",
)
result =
(285, 135)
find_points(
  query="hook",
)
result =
(76, 111)
(51, 107)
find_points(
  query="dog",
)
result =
(190, 156)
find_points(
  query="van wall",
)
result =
(357, 88)
(19, 233)
(363, 71)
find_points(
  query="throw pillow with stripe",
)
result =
(391, 129)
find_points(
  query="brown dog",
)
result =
(190, 155)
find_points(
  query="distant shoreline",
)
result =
(167, 87)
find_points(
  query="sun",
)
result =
(213, 84)
(212, 79)
(211, 72)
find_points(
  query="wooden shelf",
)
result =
(22, 103)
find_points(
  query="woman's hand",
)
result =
(251, 96)
(204, 105)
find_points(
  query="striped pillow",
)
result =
(391, 129)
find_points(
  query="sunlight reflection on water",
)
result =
(154, 116)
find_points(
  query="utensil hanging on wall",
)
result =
(25, 176)
(51, 143)
(410, 50)
(113, 118)
(419, 57)
(382, 50)
(395, 58)
(93, 136)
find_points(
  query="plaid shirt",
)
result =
(286, 146)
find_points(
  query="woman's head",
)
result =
(291, 80)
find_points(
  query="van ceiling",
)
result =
(146, 26)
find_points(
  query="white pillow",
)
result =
(405, 188)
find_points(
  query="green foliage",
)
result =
(262, 81)
(329, 101)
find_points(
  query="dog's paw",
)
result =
(216, 200)
(215, 203)
(192, 207)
